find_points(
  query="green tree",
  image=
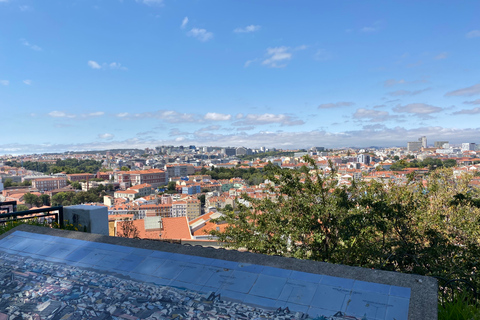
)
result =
(22, 207)
(7, 183)
(45, 198)
(430, 230)
(171, 186)
(125, 168)
(32, 200)
(76, 185)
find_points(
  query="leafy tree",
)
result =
(125, 168)
(172, 186)
(430, 230)
(22, 207)
(7, 183)
(202, 199)
(32, 200)
(45, 198)
(76, 185)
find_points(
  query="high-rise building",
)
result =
(468, 146)
(363, 158)
(439, 144)
(414, 146)
(423, 139)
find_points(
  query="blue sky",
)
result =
(98, 74)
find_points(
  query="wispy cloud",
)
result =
(63, 114)
(394, 82)
(27, 82)
(468, 91)
(473, 34)
(441, 56)
(335, 105)
(398, 93)
(277, 57)
(200, 34)
(106, 136)
(247, 29)
(29, 45)
(322, 55)
(422, 110)
(468, 111)
(373, 115)
(213, 116)
(93, 64)
(112, 65)
(268, 118)
(184, 23)
(4, 82)
(472, 102)
(24, 7)
(151, 2)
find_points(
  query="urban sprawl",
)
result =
(174, 192)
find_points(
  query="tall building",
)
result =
(439, 144)
(423, 139)
(468, 146)
(363, 158)
(414, 146)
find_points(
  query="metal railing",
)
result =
(56, 212)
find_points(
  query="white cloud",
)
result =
(268, 118)
(106, 136)
(213, 116)
(4, 82)
(398, 93)
(239, 116)
(373, 115)
(335, 105)
(93, 64)
(62, 114)
(27, 82)
(392, 82)
(247, 29)
(468, 111)
(469, 91)
(201, 34)
(184, 23)
(248, 62)
(112, 65)
(29, 45)
(441, 56)
(24, 7)
(473, 34)
(277, 55)
(122, 115)
(418, 109)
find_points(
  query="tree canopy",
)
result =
(427, 229)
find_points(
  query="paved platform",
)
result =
(71, 275)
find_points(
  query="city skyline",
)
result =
(96, 75)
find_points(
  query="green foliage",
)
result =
(266, 154)
(252, 176)
(22, 207)
(202, 199)
(67, 165)
(172, 185)
(73, 198)
(459, 309)
(410, 228)
(429, 163)
(9, 183)
(76, 185)
(125, 168)
(32, 200)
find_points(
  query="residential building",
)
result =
(440, 144)
(153, 177)
(414, 146)
(468, 146)
(80, 176)
(47, 184)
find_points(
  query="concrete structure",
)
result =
(414, 146)
(80, 176)
(363, 158)
(423, 139)
(153, 177)
(91, 219)
(440, 144)
(469, 146)
(47, 184)
(210, 282)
